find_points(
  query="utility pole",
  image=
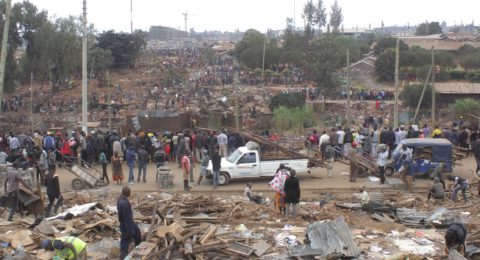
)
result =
(433, 87)
(84, 70)
(397, 83)
(109, 102)
(31, 102)
(131, 16)
(3, 54)
(263, 59)
(349, 116)
(294, 5)
(185, 17)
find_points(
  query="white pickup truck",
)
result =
(246, 163)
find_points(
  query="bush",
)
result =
(457, 74)
(463, 106)
(473, 76)
(285, 119)
(288, 100)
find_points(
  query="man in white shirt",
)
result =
(375, 141)
(341, 136)
(222, 140)
(322, 144)
(363, 196)
(382, 161)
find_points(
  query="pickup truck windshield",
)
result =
(234, 156)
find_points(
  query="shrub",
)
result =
(285, 119)
(457, 74)
(289, 100)
(463, 106)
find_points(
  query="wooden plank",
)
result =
(211, 231)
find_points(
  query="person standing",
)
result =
(324, 139)
(129, 230)
(348, 140)
(131, 157)
(11, 187)
(117, 170)
(142, 163)
(329, 158)
(222, 140)
(381, 162)
(216, 165)
(14, 144)
(203, 166)
(103, 161)
(53, 191)
(292, 194)
(186, 170)
(455, 238)
(375, 141)
(476, 154)
(352, 156)
(341, 138)
(83, 148)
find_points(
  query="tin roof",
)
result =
(457, 88)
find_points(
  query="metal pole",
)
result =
(131, 16)
(294, 5)
(433, 87)
(263, 59)
(397, 83)
(84, 70)
(421, 96)
(349, 118)
(3, 55)
(31, 102)
(109, 103)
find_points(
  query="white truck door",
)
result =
(247, 165)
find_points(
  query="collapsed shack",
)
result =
(190, 226)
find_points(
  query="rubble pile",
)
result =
(201, 226)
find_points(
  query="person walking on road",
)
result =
(103, 161)
(131, 158)
(142, 163)
(128, 229)
(53, 191)
(329, 158)
(117, 170)
(216, 165)
(292, 194)
(382, 161)
(352, 156)
(186, 170)
(203, 166)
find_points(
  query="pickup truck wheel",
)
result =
(223, 178)
(389, 171)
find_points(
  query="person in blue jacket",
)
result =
(129, 230)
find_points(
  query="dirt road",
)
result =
(311, 185)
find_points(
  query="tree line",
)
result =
(52, 47)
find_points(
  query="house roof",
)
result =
(457, 88)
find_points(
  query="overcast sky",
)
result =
(228, 15)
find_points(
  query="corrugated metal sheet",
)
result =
(457, 88)
(330, 238)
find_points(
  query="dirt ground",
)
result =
(311, 185)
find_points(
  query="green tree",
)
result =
(386, 43)
(320, 15)
(464, 106)
(385, 65)
(125, 47)
(428, 28)
(336, 17)
(298, 118)
(309, 15)
(410, 95)
(322, 61)
(249, 50)
(471, 61)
